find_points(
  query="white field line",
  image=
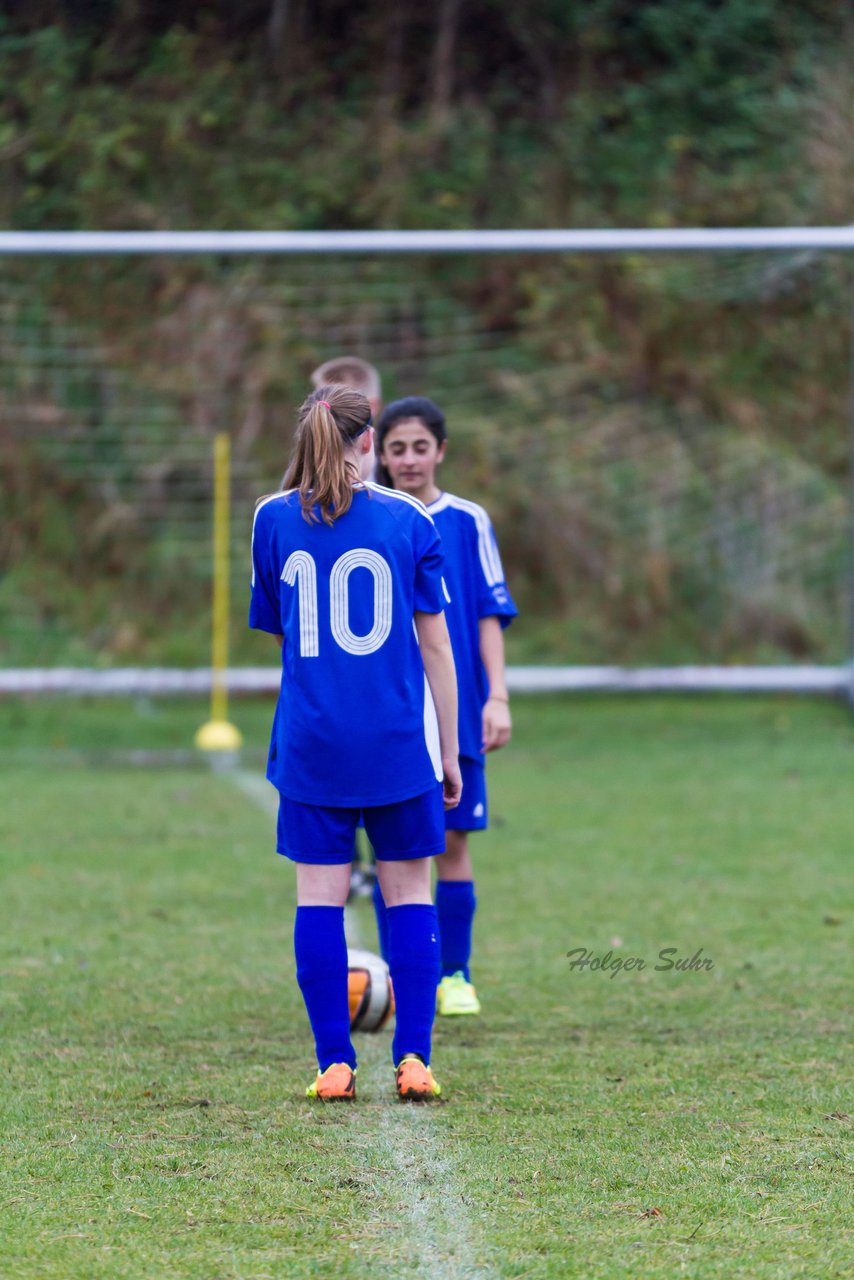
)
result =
(257, 788)
(419, 1182)
(428, 1193)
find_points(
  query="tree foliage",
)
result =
(477, 112)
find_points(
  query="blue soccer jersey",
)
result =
(477, 588)
(352, 724)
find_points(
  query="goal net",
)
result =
(661, 442)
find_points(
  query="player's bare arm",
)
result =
(497, 723)
(438, 660)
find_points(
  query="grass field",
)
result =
(645, 1124)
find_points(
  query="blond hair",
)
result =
(349, 371)
(330, 420)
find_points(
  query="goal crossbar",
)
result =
(644, 240)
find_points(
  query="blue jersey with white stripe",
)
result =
(475, 579)
(352, 725)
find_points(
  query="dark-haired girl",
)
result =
(412, 440)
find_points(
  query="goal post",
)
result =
(219, 680)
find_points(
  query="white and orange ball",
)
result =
(369, 990)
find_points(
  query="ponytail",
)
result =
(330, 420)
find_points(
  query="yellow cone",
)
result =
(218, 735)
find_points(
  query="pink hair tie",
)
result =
(326, 402)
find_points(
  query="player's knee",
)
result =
(406, 881)
(456, 845)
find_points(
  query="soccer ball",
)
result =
(369, 991)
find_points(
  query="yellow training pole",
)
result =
(218, 734)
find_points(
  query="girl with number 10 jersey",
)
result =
(348, 576)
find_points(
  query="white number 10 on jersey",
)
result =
(300, 571)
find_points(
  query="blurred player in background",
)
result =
(351, 371)
(348, 577)
(412, 441)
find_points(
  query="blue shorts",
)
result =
(323, 836)
(471, 813)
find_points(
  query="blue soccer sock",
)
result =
(321, 954)
(381, 911)
(414, 965)
(455, 908)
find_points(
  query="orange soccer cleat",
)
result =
(336, 1084)
(415, 1081)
